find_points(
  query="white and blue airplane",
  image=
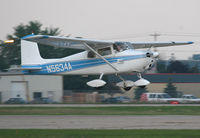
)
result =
(99, 58)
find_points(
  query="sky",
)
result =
(127, 20)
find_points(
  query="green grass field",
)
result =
(48, 133)
(141, 110)
(91, 133)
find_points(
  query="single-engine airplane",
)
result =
(99, 58)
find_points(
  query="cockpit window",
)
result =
(91, 54)
(121, 46)
(105, 51)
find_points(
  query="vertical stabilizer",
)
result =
(30, 53)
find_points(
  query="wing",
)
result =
(67, 42)
(79, 43)
(139, 45)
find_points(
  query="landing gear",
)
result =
(142, 86)
(99, 88)
(139, 75)
(97, 83)
(127, 88)
(142, 83)
(125, 84)
(128, 84)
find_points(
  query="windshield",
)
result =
(121, 46)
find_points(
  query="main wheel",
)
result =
(127, 88)
(142, 86)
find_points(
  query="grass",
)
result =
(79, 133)
(142, 110)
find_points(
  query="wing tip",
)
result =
(31, 35)
(190, 42)
(27, 36)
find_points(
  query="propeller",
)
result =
(158, 55)
(155, 56)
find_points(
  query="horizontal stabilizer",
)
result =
(34, 68)
(26, 68)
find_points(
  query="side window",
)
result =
(116, 48)
(104, 51)
(91, 54)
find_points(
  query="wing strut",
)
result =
(101, 57)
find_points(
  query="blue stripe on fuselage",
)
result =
(59, 67)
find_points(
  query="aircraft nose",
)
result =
(155, 54)
(152, 54)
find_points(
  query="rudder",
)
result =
(30, 53)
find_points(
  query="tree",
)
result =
(171, 90)
(139, 91)
(10, 53)
(23, 30)
(161, 67)
(177, 67)
(3, 65)
(51, 31)
(194, 69)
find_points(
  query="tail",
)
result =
(30, 53)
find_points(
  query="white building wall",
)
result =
(47, 84)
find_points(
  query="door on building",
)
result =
(18, 89)
(37, 95)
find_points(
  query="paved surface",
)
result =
(90, 105)
(100, 122)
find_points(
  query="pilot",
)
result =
(91, 54)
(116, 47)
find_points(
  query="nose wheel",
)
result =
(139, 75)
(125, 84)
(127, 88)
(128, 84)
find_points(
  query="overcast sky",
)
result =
(127, 20)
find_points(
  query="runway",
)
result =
(92, 105)
(99, 122)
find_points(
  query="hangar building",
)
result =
(30, 87)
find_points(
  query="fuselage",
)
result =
(128, 60)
